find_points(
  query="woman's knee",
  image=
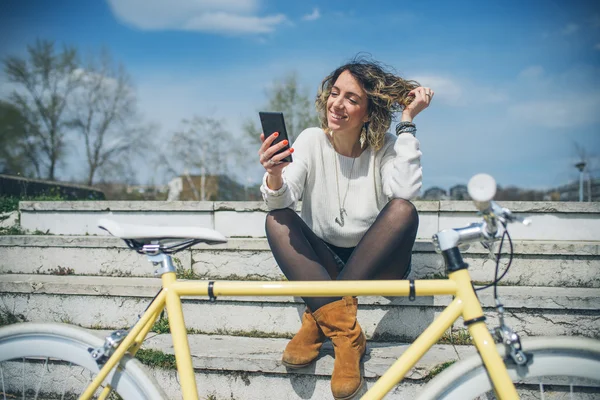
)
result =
(405, 210)
(279, 218)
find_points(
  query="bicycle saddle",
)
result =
(150, 233)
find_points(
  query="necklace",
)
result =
(341, 205)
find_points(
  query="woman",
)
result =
(355, 181)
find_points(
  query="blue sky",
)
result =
(517, 82)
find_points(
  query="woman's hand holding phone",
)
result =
(271, 161)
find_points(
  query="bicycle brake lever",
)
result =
(510, 217)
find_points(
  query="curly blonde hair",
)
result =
(386, 94)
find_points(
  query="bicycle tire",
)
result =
(560, 360)
(35, 359)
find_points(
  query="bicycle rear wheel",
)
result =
(557, 368)
(51, 361)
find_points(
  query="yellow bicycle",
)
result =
(570, 366)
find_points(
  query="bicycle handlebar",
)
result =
(482, 188)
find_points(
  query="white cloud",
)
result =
(215, 16)
(597, 46)
(457, 93)
(570, 29)
(446, 90)
(556, 100)
(222, 22)
(567, 112)
(533, 72)
(313, 16)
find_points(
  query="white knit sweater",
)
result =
(392, 172)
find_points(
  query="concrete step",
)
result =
(551, 220)
(228, 367)
(242, 368)
(114, 302)
(535, 263)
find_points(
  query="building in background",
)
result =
(570, 191)
(211, 188)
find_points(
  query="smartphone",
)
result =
(273, 122)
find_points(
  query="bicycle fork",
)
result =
(474, 320)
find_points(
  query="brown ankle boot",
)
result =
(338, 322)
(305, 345)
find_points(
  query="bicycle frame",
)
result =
(458, 284)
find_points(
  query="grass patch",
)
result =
(437, 275)
(485, 283)
(156, 359)
(188, 274)
(184, 273)
(8, 318)
(240, 333)
(248, 278)
(11, 203)
(161, 326)
(8, 204)
(61, 271)
(251, 277)
(438, 369)
(459, 337)
(16, 230)
(12, 231)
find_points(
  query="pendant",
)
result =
(340, 221)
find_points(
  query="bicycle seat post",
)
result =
(158, 258)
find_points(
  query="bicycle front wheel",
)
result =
(51, 361)
(557, 368)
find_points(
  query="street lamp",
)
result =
(580, 166)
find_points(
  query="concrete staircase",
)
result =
(75, 273)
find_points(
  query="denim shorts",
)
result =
(341, 256)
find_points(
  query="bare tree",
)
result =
(45, 80)
(288, 97)
(13, 141)
(106, 115)
(202, 147)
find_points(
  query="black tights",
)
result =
(384, 252)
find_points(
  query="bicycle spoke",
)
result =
(62, 397)
(63, 354)
(37, 392)
(23, 379)
(2, 377)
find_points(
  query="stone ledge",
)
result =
(231, 353)
(525, 247)
(250, 206)
(513, 297)
(532, 207)
(104, 206)
(174, 206)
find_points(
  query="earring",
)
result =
(363, 135)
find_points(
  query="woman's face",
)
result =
(347, 105)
